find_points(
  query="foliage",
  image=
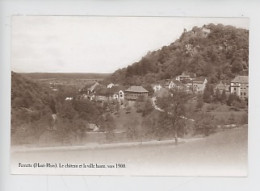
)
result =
(33, 105)
(208, 93)
(109, 126)
(173, 108)
(147, 108)
(233, 99)
(200, 102)
(29, 102)
(221, 54)
(131, 130)
(223, 97)
(204, 123)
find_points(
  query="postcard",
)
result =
(139, 96)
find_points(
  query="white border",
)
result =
(202, 8)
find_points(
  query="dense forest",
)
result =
(217, 52)
(30, 104)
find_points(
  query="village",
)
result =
(123, 103)
(185, 82)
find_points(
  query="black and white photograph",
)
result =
(139, 96)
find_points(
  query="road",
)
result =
(221, 154)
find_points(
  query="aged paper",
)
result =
(156, 96)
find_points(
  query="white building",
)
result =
(239, 86)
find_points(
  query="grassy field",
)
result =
(224, 114)
(221, 154)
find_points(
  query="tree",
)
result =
(204, 123)
(117, 107)
(237, 66)
(208, 93)
(109, 126)
(223, 97)
(147, 108)
(217, 95)
(152, 126)
(131, 129)
(139, 104)
(200, 102)
(219, 55)
(232, 98)
(174, 108)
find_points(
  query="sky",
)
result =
(89, 44)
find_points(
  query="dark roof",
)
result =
(116, 89)
(240, 79)
(138, 89)
(199, 79)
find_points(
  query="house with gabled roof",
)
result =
(239, 86)
(90, 88)
(134, 92)
(222, 86)
(117, 92)
(199, 84)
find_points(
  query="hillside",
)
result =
(27, 94)
(215, 51)
(31, 107)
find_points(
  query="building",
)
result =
(111, 85)
(135, 92)
(185, 76)
(169, 84)
(89, 89)
(176, 85)
(156, 87)
(93, 87)
(222, 87)
(117, 93)
(239, 86)
(199, 84)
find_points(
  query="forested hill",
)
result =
(27, 94)
(214, 51)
